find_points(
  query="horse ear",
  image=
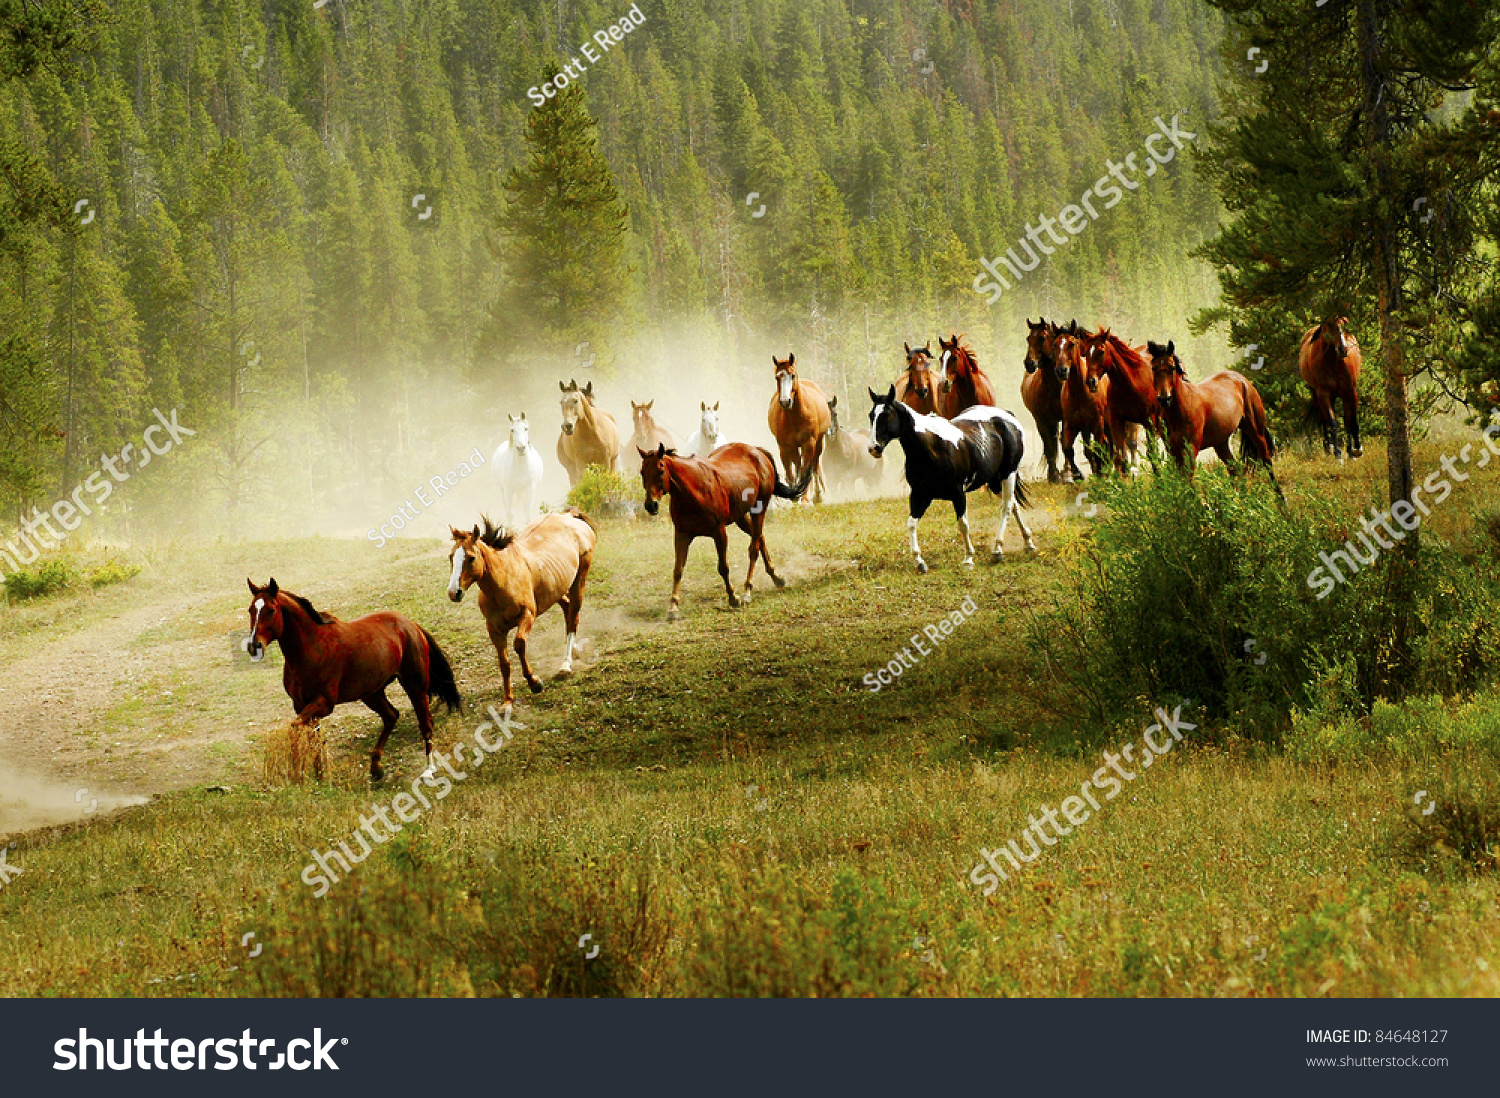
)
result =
(716, 405)
(523, 417)
(588, 390)
(908, 349)
(1073, 327)
(644, 453)
(873, 398)
(661, 449)
(561, 387)
(271, 588)
(703, 405)
(1171, 346)
(251, 584)
(928, 346)
(648, 405)
(833, 402)
(890, 397)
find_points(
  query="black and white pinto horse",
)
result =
(947, 459)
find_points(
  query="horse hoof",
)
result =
(1033, 550)
(921, 567)
(745, 597)
(997, 556)
(673, 614)
(968, 562)
(377, 774)
(778, 581)
(563, 673)
(536, 686)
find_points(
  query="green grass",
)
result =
(727, 810)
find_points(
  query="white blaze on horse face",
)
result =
(710, 424)
(520, 436)
(784, 382)
(458, 568)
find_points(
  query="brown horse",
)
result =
(963, 383)
(1131, 394)
(915, 388)
(799, 422)
(520, 578)
(1041, 391)
(1084, 410)
(1329, 361)
(589, 435)
(330, 662)
(733, 484)
(1205, 415)
(648, 434)
(847, 456)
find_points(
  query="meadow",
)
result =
(724, 808)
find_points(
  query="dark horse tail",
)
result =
(795, 491)
(1021, 496)
(574, 512)
(440, 683)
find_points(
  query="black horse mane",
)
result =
(494, 536)
(318, 617)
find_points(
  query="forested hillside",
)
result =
(212, 205)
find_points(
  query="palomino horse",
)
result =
(1329, 360)
(331, 662)
(648, 434)
(847, 455)
(707, 438)
(1205, 415)
(963, 384)
(520, 578)
(1131, 395)
(947, 459)
(799, 422)
(915, 388)
(518, 468)
(589, 435)
(1083, 415)
(734, 484)
(1041, 391)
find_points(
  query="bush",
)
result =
(54, 576)
(600, 493)
(1196, 589)
(113, 572)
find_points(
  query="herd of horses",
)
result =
(1079, 385)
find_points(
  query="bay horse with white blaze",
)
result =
(1205, 415)
(946, 459)
(1131, 394)
(799, 421)
(963, 384)
(520, 578)
(589, 435)
(331, 662)
(734, 484)
(1041, 391)
(1084, 409)
(1329, 361)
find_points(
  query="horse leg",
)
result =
(961, 513)
(758, 521)
(528, 619)
(684, 541)
(572, 605)
(1009, 506)
(721, 546)
(1069, 461)
(1351, 424)
(1049, 447)
(497, 638)
(383, 708)
(918, 509)
(744, 522)
(416, 684)
(819, 485)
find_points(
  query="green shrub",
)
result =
(113, 572)
(598, 488)
(54, 576)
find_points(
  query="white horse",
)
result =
(518, 468)
(707, 438)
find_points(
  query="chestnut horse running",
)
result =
(799, 421)
(963, 384)
(733, 484)
(589, 435)
(1205, 415)
(330, 662)
(915, 388)
(1329, 361)
(1041, 391)
(1084, 409)
(520, 578)
(1131, 396)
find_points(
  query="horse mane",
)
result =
(1124, 354)
(495, 536)
(966, 352)
(317, 616)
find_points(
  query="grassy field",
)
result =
(724, 807)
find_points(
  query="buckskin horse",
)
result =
(331, 662)
(963, 384)
(589, 435)
(734, 484)
(1329, 361)
(1131, 394)
(799, 421)
(915, 388)
(520, 578)
(847, 455)
(1205, 415)
(947, 459)
(1041, 391)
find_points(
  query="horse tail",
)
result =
(574, 512)
(440, 681)
(1021, 496)
(794, 491)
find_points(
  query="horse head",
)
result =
(952, 356)
(919, 370)
(786, 380)
(573, 404)
(654, 475)
(1332, 332)
(1039, 341)
(708, 426)
(1166, 370)
(467, 556)
(833, 416)
(265, 618)
(520, 433)
(885, 421)
(1091, 349)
